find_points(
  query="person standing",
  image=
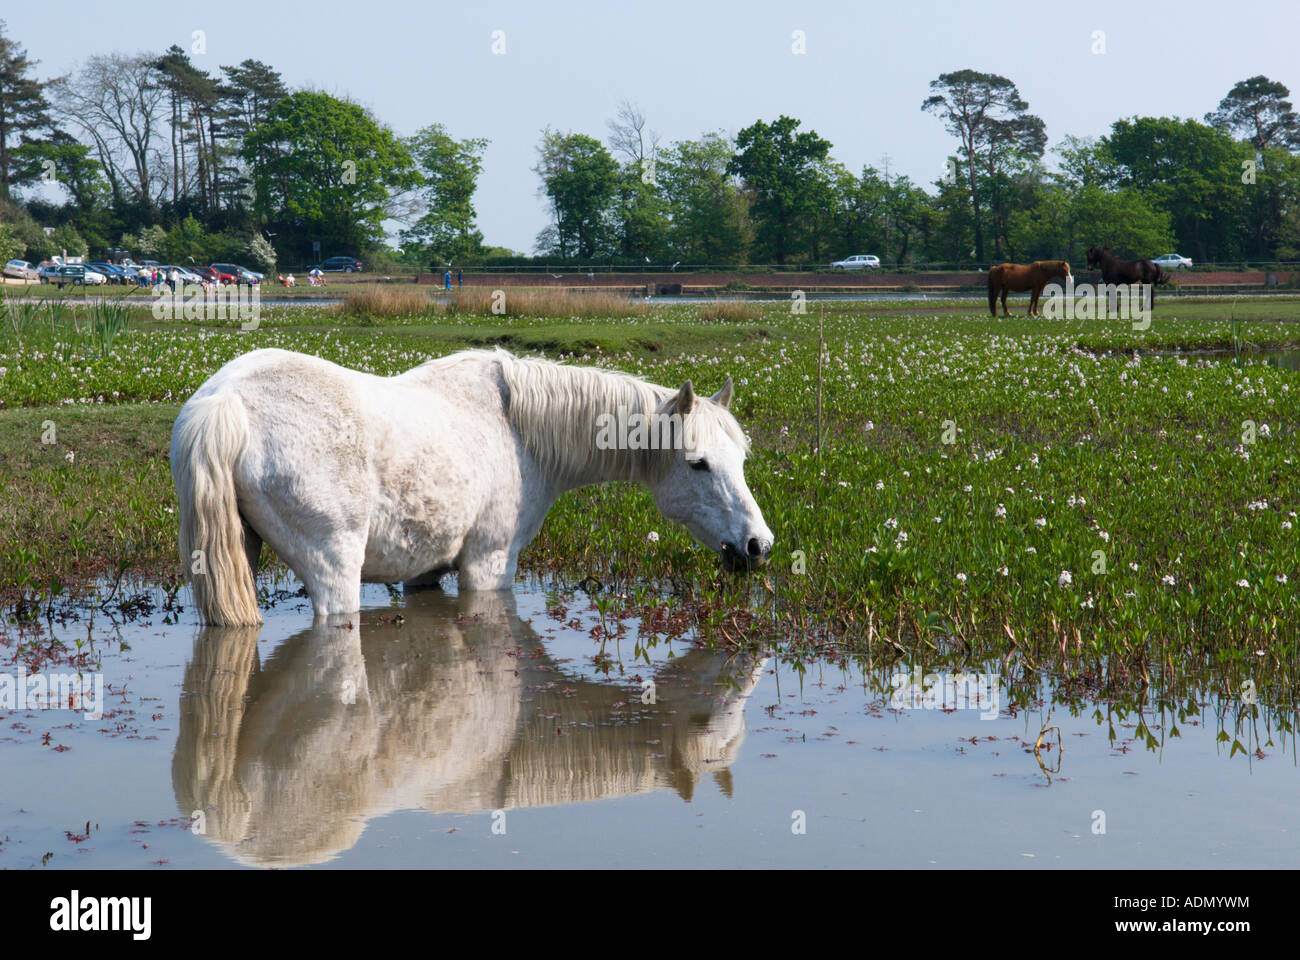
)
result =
(446, 279)
(175, 278)
(460, 279)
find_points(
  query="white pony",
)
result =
(451, 466)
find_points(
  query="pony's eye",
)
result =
(700, 464)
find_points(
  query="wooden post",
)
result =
(821, 348)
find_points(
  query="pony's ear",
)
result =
(685, 399)
(723, 397)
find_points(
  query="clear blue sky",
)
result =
(697, 66)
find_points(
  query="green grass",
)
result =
(1068, 438)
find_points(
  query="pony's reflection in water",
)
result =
(458, 710)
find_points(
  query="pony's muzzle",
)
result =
(754, 555)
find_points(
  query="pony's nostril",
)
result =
(754, 548)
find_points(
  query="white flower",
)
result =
(902, 537)
(1263, 430)
(938, 519)
(1286, 524)
(70, 456)
(1003, 570)
(966, 488)
(652, 536)
(1243, 582)
(1030, 550)
(961, 578)
(1168, 580)
(1133, 567)
(880, 484)
(891, 524)
(1065, 579)
(1001, 511)
(1281, 578)
(843, 483)
(1041, 522)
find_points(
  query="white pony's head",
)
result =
(702, 486)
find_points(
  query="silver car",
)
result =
(859, 261)
(20, 270)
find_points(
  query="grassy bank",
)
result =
(980, 481)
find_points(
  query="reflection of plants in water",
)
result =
(1248, 700)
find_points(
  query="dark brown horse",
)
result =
(1019, 277)
(1126, 271)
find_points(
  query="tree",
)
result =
(12, 246)
(186, 242)
(327, 173)
(639, 218)
(629, 137)
(1068, 218)
(449, 169)
(261, 252)
(578, 178)
(248, 93)
(987, 114)
(1086, 162)
(779, 168)
(1259, 108)
(116, 102)
(195, 112)
(708, 214)
(149, 242)
(68, 241)
(1188, 169)
(70, 162)
(23, 106)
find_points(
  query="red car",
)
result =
(207, 273)
(222, 275)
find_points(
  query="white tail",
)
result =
(207, 439)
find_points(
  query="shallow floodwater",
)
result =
(497, 730)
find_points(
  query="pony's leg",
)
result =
(1005, 311)
(327, 561)
(429, 580)
(252, 547)
(332, 576)
(490, 569)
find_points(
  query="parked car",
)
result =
(859, 261)
(337, 265)
(78, 274)
(115, 274)
(241, 274)
(1172, 261)
(187, 274)
(207, 273)
(48, 271)
(225, 276)
(20, 270)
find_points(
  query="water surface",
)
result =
(519, 730)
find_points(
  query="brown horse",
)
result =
(1126, 271)
(1019, 277)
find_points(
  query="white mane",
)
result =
(555, 409)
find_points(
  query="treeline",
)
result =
(156, 157)
(1227, 189)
